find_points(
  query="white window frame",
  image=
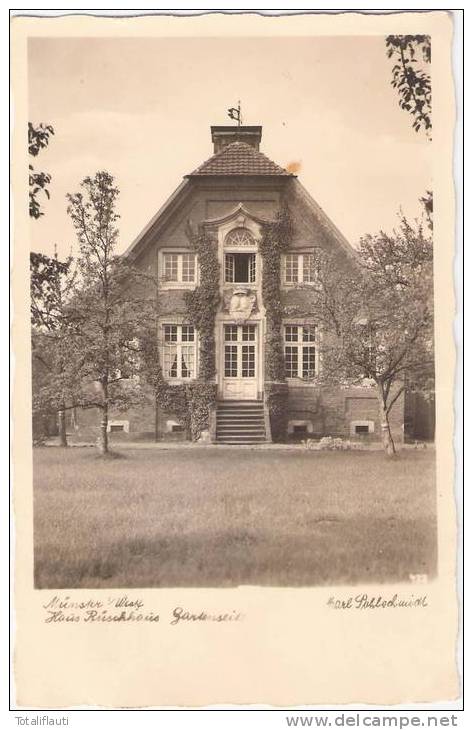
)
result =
(250, 248)
(245, 337)
(252, 267)
(124, 424)
(179, 344)
(300, 268)
(179, 284)
(299, 344)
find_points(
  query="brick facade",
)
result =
(239, 181)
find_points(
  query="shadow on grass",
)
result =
(334, 553)
(108, 456)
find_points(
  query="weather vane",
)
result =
(235, 113)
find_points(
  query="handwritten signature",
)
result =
(364, 601)
(64, 609)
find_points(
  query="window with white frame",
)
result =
(299, 268)
(179, 351)
(240, 268)
(300, 351)
(179, 268)
(239, 350)
(239, 237)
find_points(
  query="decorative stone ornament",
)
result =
(240, 303)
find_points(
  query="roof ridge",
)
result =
(253, 162)
(215, 155)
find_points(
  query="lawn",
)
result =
(223, 517)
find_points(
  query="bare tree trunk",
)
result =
(62, 427)
(156, 419)
(386, 435)
(103, 438)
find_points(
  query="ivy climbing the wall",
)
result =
(275, 240)
(191, 402)
(202, 303)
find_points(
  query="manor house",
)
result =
(228, 200)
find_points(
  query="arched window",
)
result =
(240, 267)
(239, 237)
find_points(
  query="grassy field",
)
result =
(223, 517)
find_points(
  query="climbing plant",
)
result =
(275, 239)
(202, 302)
(191, 402)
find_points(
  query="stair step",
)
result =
(240, 414)
(238, 431)
(240, 422)
(240, 407)
(235, 402)
(240, 419)
(244, 414)
(241, 440)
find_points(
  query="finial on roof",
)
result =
(235, 113)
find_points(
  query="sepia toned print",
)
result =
(234, 337)
(241, 320)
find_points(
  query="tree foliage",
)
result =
(427, 201)
(46, 289)
(411, 78)
(108, 306)
(38, 139)
(51, 282)
(376, 320)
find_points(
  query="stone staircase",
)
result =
(241, 422)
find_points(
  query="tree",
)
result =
(376, 320)
(108, 306)
(51, 282)
(412, 55)
(38, 139)
(427, 202)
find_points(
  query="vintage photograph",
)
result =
(232, 311)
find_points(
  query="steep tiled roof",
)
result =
(239, 158)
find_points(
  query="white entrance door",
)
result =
(240, 362)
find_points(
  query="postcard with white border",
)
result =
(234, 360)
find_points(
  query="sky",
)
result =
(142, 109)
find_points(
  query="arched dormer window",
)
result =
(240, 267)
(239, 237)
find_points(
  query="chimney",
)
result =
(223, 136)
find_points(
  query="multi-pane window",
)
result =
(188, 267)
(179, 351)
(179, 268)
(239, 237)
(239, 350)
(300, 351)
(299, 268)
(247, 361)
(231, 361)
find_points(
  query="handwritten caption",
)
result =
(125, 610)
(363, 601)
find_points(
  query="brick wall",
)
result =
(332, 411)
(328, 411)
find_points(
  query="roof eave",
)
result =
(240, 174)
(133, 249)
